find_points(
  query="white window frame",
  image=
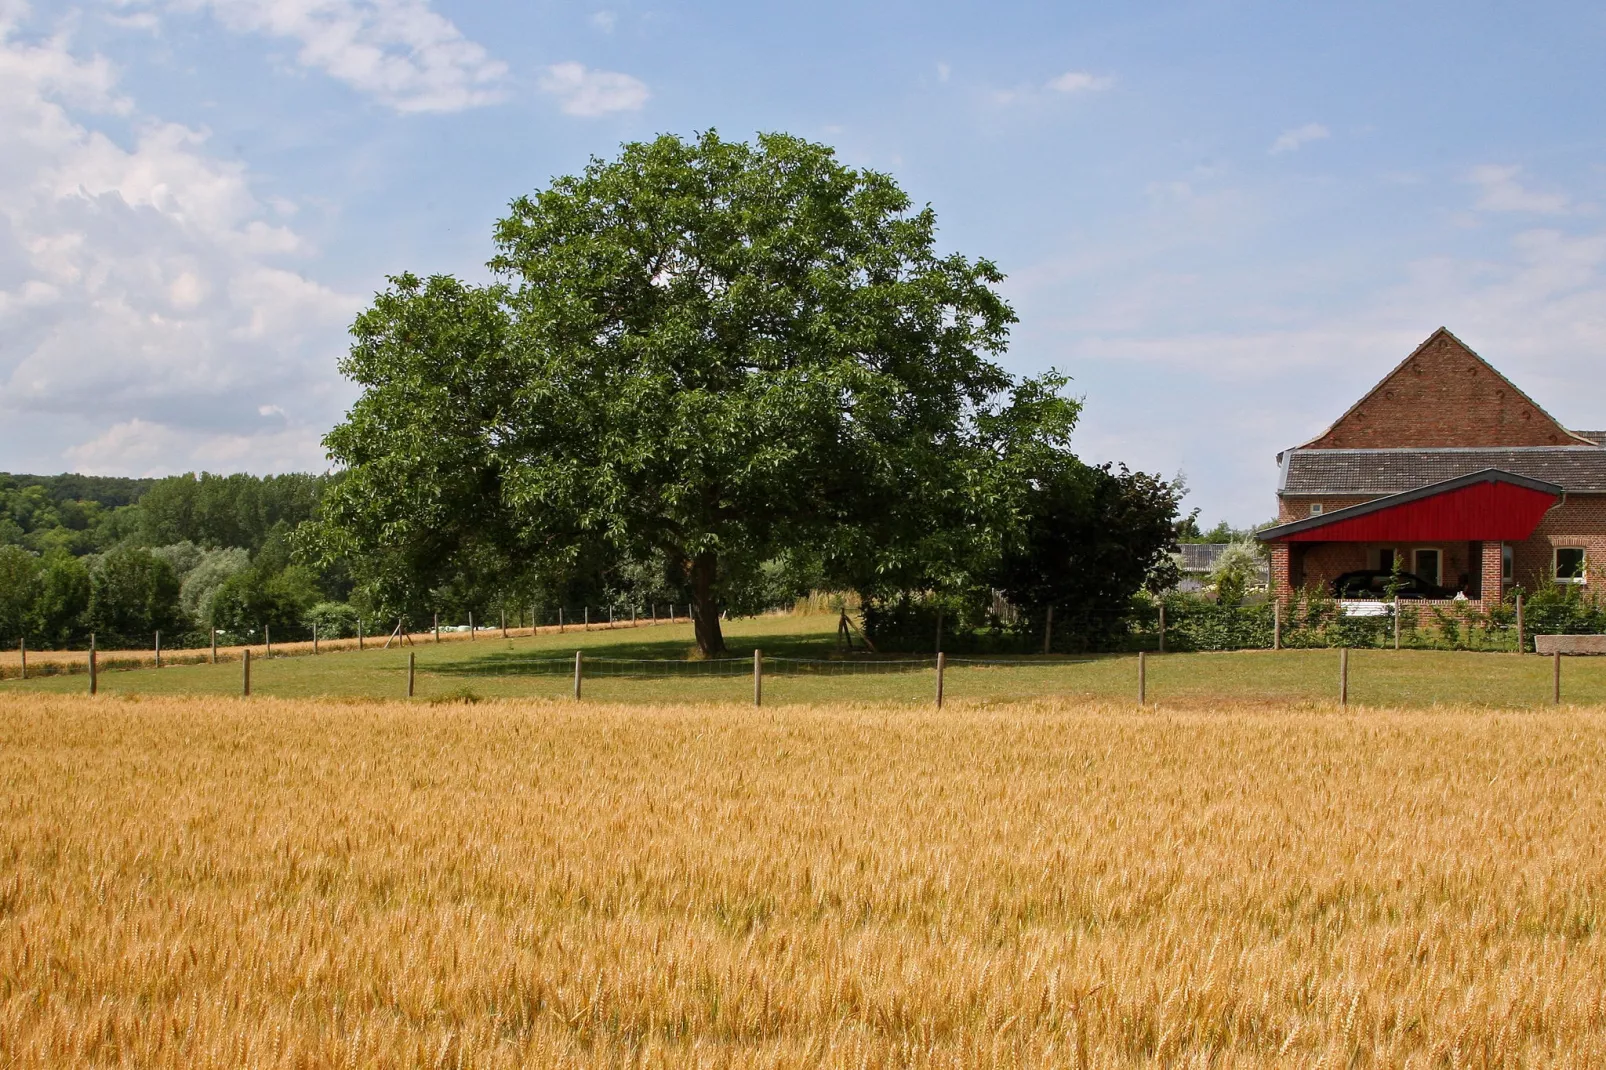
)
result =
(1583, 564)
(1315, 508)
(1437, 579)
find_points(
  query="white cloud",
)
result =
(943, 72)
(1291, 140)
(1501, 192)
(1080, 82)
(141, 448)
(584, 91)
(605, 21)
(399, 52)
(140, 287)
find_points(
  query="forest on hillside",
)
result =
(124, 559)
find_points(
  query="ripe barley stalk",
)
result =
(211, 883)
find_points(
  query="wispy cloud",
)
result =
(1500, 191)
(145, 298)
(1071, 83)
(1292, 140)
(605, 21)
(1080, 82)
(588, 92)
(400, 52)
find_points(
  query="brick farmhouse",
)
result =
(1449, 470)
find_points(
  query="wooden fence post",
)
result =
(267, 640)
(315, 638)
(22, 648)
(1162, 627)
(504, 624)
(435, 623)
(1396, 624)
(412, 666)
(214, 646)
(1143, 678)
(560, 620)
(1555, 690)
(758, 677)
(942, 663)
(94, 683)
(245, 673)
(359, 631)
(610, 616)
(577, 673)
(471, 624)
(586, 610)
(1048, 629)
(158, 650)
(1277, 624)
(1522, 647)
(1343, 676)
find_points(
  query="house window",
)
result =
(1315, 508)
(1505, 561)
(1427, 565)
(1570, 564)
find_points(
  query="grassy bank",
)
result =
(529, 667)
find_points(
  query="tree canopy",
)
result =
(704, 350)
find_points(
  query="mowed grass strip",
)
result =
(211, 883)
(540, 667)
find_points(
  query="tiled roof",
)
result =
(1597, 437)
(1577, 469)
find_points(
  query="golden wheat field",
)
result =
(210, 883)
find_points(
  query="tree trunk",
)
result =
(710, 641)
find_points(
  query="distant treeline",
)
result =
(125, 558)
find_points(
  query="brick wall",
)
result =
(1292, 508)
(1578, 521)
(1443, 395)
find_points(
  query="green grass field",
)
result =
(497, 668)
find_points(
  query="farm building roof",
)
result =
(1320, 472)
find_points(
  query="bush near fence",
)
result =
(974, 622)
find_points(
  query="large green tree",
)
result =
(711, 350)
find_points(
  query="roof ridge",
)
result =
(1429, 340)
(1581, 447)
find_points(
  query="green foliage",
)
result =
(1561, 609)
(201, 583)
(19, 580)
(249, 600)
(35, 514)
(1087, 540)
(60, 614)
(717, 352)
(216, 511)
(132, 595)
(1239, 562)
(334, 620)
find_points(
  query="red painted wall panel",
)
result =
(1496, 512)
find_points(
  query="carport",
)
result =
(1458, 527)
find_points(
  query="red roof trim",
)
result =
(1490, 506)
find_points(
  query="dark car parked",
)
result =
(1374, 583)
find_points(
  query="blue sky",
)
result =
(1224, 220)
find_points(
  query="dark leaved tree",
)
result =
(705, 351)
